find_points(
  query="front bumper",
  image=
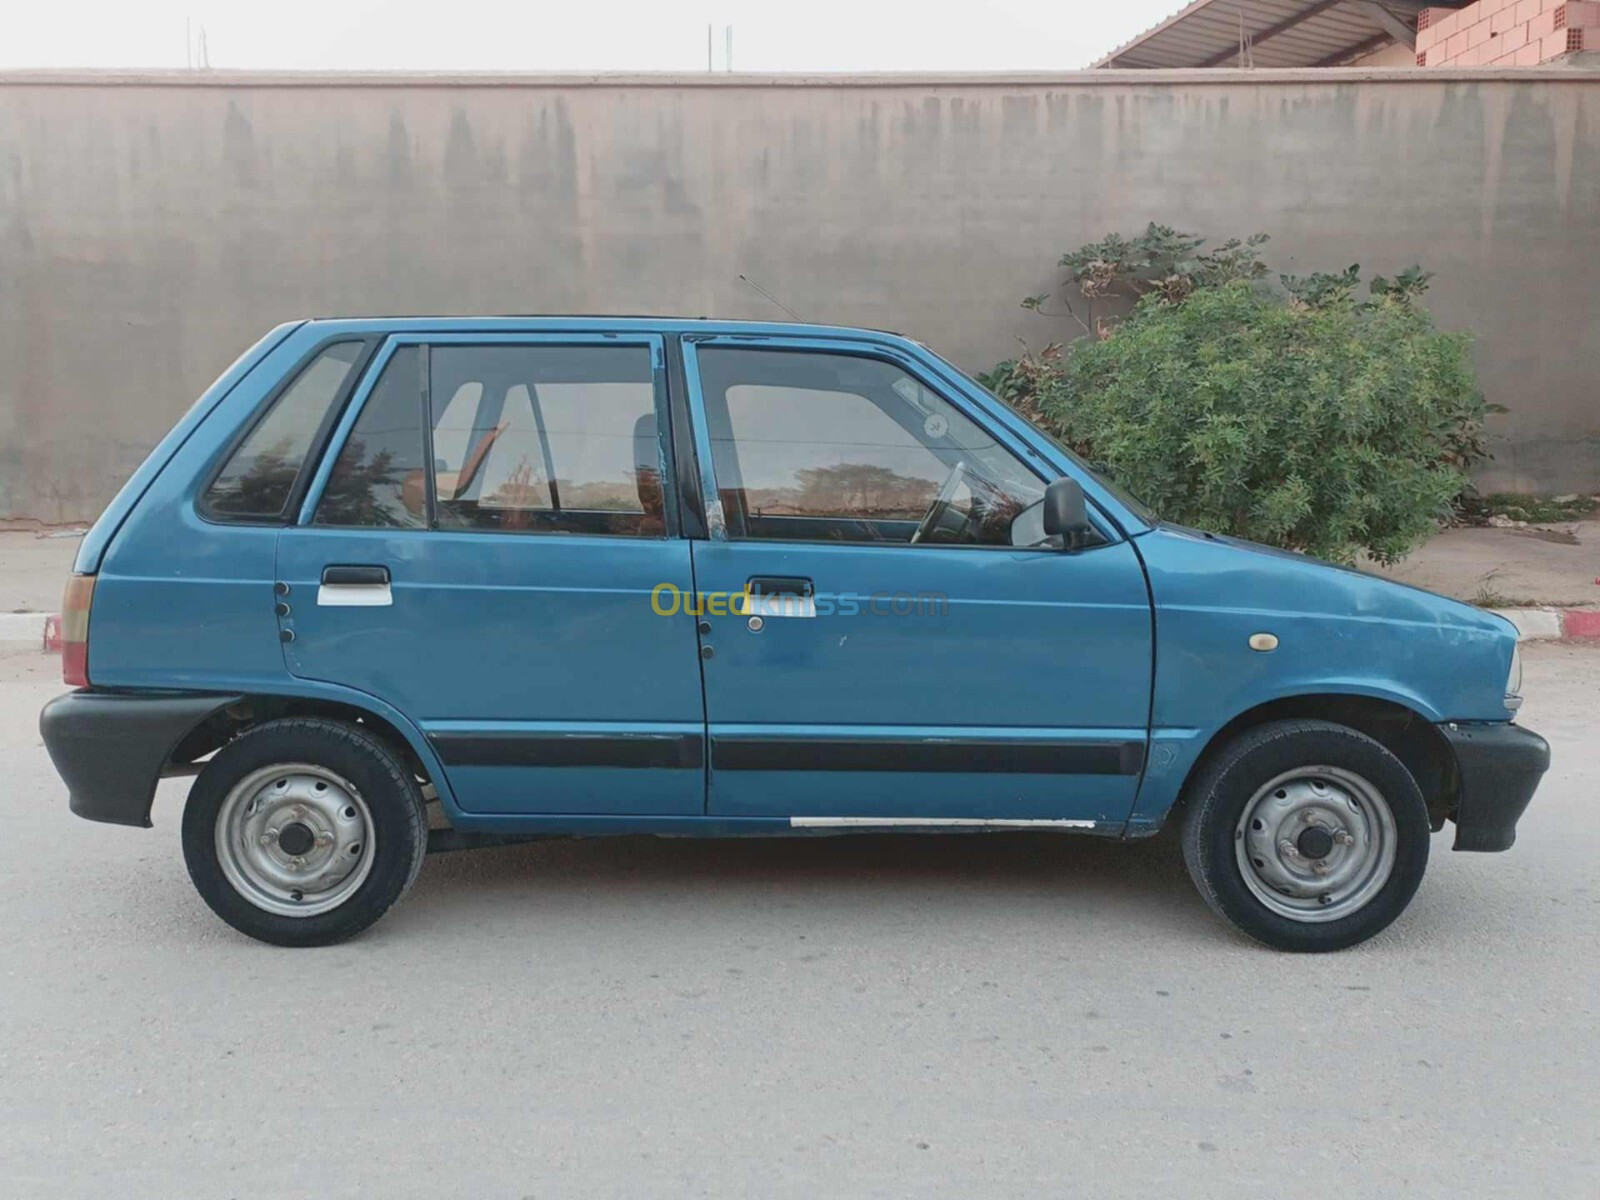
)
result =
(110, 748)
(1499, 766)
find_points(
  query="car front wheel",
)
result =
(1306, 835)
(304, 831)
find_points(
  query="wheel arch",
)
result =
(1406, 733)
(254, 709)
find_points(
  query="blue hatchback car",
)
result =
(401, 584)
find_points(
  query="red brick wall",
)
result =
(1506, 33)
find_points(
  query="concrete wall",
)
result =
(153, 226)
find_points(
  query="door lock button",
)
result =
(706, 651)
(705, 628)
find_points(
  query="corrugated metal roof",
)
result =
(1266, 33)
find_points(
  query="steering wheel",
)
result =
(941, 503)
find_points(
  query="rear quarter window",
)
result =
(258, 478)
(378, 478)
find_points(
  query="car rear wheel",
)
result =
(1306, 835)
(304, 831)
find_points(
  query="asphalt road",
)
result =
(979, 1016)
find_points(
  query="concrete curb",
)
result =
(19, 628)
(1533, 624)
(1541, 624)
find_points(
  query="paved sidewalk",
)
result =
(33, 572)
(1546, 566)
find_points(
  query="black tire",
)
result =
(1215, 803)
(398, 826)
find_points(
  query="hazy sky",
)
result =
(573, 35)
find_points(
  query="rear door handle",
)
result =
(351, 575)
(354, 585)
(780, 596)
(780, 585)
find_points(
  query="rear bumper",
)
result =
(110, 748)
(1500, 766)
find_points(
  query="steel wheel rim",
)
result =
(295, 839)
(1308, 810)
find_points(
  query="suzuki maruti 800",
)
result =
(599, 576)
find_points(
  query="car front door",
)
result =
(910, 652)
(479, 550)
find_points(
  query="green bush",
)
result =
(1309, 420)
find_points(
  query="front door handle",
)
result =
(354, 585)
(780, 596)
(355, 575)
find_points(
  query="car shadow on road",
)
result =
(933, 873)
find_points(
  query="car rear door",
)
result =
(479, 549)
(970, 676)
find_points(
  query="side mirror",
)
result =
(1066, 513)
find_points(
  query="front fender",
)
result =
(1337, 632)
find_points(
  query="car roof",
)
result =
(595, 323)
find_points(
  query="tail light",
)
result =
(75, 630)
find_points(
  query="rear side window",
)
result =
(547, 439)
(258, 479)
(523, 439)
(378, 479)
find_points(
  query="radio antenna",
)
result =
(745, 279)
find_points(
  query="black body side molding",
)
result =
(977, 757)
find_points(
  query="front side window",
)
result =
(836, 447)
(547, 439)
(258, 479)
(1135, 505)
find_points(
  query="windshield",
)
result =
(1123, 496)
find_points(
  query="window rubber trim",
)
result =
(685, 490)
(430, 484)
